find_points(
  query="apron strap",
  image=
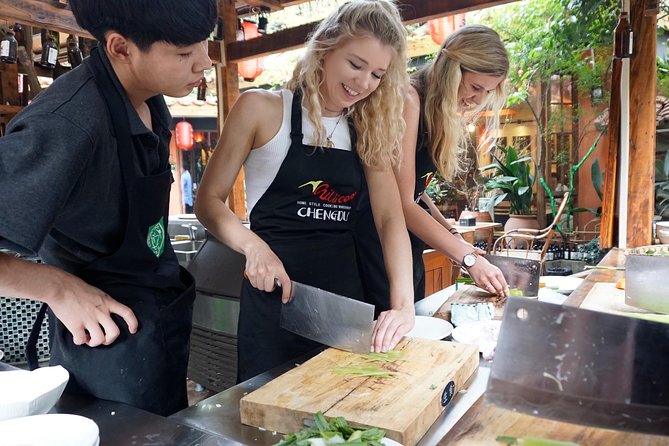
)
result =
(296, 135)
(31, 346)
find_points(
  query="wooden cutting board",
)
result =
(471, 295)
(428, 374)
(605, 297)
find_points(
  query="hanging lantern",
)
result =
(250, 69)
(442, 27)
(184, 131)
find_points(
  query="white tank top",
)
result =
(263, 163)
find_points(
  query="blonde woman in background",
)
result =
(309, 153)
(465, 78)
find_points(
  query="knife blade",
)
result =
(328, 318)
(582, 366)
(521, 274)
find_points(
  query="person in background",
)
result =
(187, 187)
(309, 152)
(87, 164)
(465, 78)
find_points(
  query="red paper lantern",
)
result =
(250, 69)
(442, 27)
(184, 131)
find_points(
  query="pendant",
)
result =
(329, 141)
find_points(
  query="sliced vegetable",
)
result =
(363, 371)
(529, 440)
(335, 431)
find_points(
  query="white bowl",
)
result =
(430, 328)
(50, 430)
(662, 231)
(31, 393)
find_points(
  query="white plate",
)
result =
(561, 284)
(430, 328)
(31, 393)
(388, 442)
(50, 430)
(481, 333)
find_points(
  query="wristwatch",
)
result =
(469, 260)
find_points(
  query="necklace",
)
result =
(330, 142)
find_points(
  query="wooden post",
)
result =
(640, 198)
(228, 92)
(609, 195)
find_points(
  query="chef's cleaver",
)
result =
(582, 366)
(522, 275)
(329, 318)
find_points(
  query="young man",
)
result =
(187, 187)
(86, 178)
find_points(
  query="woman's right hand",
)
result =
(265, 271)
(488, 277)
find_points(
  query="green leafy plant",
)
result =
(597, 178)
(662, 186)
(512, 179)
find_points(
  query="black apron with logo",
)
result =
(368, 245)
(146, 369)
(306, 216)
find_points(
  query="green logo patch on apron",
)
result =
(155, 239)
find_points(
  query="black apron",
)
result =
(306, 216)
(147, 369)
(369, 250)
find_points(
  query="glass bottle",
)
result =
(74, 56)
(49, 52)
(624, 37)
(8, 47)
(202, 90)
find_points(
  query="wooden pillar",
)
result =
(228, 92)
(640, 200)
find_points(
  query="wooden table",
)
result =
(484, 422)
(614, 258)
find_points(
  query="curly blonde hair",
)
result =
(377, 118)
(474, 48)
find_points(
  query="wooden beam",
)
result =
(640, 200)
(412, 11)
(607, 229)
(274, 5)
(41, 14)
(228, 92)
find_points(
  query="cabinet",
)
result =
(439, 271)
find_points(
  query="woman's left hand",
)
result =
(391, 326)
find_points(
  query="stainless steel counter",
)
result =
(122, 425)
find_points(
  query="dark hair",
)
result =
(145, 22)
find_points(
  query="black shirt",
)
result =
(60, 178)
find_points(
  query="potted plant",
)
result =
(512, 180)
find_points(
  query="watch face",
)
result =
(469, 260)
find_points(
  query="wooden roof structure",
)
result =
(636, 203)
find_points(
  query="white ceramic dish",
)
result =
(31, 393)
(389, 442)
(662, 231)
(561, 284)
(50, 430)
(481, 333)
(427, 327)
